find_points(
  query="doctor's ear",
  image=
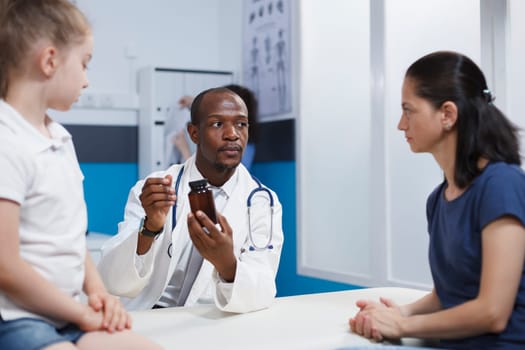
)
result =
(193, 131)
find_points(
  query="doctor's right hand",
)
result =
(157, 197)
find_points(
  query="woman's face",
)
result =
(420, 121)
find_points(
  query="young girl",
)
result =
(476, 217)
(45, 46)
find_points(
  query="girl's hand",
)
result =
(90, 320)
(115, 317)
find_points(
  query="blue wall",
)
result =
(106, 188)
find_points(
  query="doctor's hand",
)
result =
(215, 246)
(157, 197)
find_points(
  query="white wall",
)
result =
(515, 64)
(345, 237)
(413, 29)
(333, 135)
(162, 33)
(197, 34)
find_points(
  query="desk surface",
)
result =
(312, 321)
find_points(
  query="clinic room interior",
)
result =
(353, 196)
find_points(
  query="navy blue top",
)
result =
(455, 246)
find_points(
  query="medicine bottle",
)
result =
(201, 198)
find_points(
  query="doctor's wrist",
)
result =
(228, 270)
(150, 228)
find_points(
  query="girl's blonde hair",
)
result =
(25, 22)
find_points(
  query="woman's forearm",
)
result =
(427, 304)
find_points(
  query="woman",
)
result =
(476, 216)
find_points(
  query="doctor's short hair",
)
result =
(195, 110)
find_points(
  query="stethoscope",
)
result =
(260, 188)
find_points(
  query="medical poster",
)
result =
(266, 55)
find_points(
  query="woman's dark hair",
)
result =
(482, 129)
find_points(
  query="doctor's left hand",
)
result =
(215, 246)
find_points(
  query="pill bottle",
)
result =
(201, 198)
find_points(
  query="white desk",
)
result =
(313, 321)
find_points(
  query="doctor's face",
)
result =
(222, 132)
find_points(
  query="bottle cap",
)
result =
(198, 184)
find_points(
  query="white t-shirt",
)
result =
(42, 175)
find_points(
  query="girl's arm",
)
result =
(22, 284)
(115, 316)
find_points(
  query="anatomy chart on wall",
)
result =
(266, 59)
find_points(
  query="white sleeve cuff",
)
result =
(144, 263)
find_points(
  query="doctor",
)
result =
(150, 261)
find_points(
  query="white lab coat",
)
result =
(254, 286)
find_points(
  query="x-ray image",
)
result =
(267, 61)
